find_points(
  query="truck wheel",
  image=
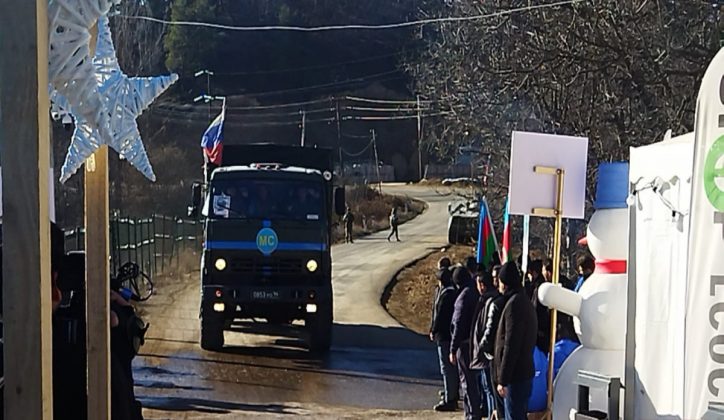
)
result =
(320, 330)
(212, 335)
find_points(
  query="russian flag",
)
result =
(213, 139)
(506, 234)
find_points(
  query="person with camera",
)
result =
(69, 340)
(70, 355)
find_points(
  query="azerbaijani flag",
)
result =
(486, 237)
(213, 139)
(505, 251)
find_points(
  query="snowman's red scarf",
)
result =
(610, 266)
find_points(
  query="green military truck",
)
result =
(268, 213)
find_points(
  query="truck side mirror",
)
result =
(340, 204)
(193, 209)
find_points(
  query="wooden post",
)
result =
(24, 131)
(97, 283)
(557, 213)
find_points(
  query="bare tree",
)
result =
(620, 72)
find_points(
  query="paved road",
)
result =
(374, 364)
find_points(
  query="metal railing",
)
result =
(153, 243)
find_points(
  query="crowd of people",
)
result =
(487, 323)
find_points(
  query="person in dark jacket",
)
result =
(494, 310)
(462, 321)
(565, 322)
(479, 359)
(586, 265)
(514, 344)
(548, 275)
(543, 335)
(394, 225)
(440, 333)
(348, 220)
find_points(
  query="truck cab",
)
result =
(267, 222)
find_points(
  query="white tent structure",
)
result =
(660, 175)
(675, 314)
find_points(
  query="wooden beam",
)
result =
(24, 135)
(97, 284)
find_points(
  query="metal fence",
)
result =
(153, 243)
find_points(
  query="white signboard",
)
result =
(530, 190)
(704, 341)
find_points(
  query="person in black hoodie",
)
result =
(543, 313)
(514, 344)
(462, 321)
(479, 359)
(494, 309)
(442, 313)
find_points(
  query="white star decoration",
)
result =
(123, 99)
(70, 68)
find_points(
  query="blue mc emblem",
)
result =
(267, 241)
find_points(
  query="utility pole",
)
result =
(419, 138)
(25, 153)
(377, 159)
(304, 123)
(208, 74)
(339, 139)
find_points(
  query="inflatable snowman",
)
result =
(599, 307)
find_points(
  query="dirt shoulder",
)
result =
(409, 297)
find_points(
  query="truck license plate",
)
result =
(265, 295)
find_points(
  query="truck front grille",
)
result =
(267, 266)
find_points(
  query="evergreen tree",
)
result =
(189, 49)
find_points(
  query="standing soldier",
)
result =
(394, 223)
(348, 220)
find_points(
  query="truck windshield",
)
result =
(266, 199)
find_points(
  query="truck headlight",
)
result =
(219, 307)
(220, 264)
(311, 308)
(312, 266)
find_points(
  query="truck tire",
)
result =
(212, 335)
(320, 330)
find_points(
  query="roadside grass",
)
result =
(409, 298)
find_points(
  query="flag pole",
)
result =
(492, 229)
(526, 240)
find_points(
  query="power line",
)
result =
(314, 67)
(330, 99)
(361, 152)
(355, 136)
(235, 121)
(398, 109)
(413, 23)
(255, 115)
(384, 101)
(391, 118)
(343, 83)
